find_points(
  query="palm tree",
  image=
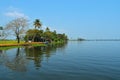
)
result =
(37, 23)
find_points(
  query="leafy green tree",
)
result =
(47, 35)
(47, 29)
(32, 34)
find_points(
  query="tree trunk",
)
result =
(33, 39)
(18, 52)
(18, 39)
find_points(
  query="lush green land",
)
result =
(9, 43)
(32, 37)
(13, 43)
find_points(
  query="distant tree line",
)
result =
(80, 39)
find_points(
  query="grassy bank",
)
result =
(7, 48)
(9, 43)
(12, 43)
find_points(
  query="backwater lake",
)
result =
(75, 60)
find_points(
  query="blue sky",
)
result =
(90, 19)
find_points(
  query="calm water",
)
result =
(87, 60)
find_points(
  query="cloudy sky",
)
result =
(89, 19)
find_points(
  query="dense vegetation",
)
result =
(19, 27)
(36, 35)
(39, 35)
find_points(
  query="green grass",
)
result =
(38, 45)
(11, 47)
(7, 48)
(9, 42)
(13, 43)
(58, 42)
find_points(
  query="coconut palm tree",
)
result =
(37, 23)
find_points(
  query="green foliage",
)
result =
(37, 23)
(38, 44)
(10, 47)
(32, 33)
(1, 28)
(48, 35)
(36, 35)
(19, 26)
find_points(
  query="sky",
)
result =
(89, 19)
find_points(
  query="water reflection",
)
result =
(17, 59)
(37, 54)
(17, 62)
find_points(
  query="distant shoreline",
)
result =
(97, 40)
(103, 40)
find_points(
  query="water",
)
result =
(87, 60)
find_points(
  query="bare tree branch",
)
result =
(17, 26)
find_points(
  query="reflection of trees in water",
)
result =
(33, 53)
(2, 56)
(17, 63)
(39, 53)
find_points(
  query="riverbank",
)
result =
(10, 43)
(23, 44)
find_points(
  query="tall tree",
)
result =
(47, 29)
(32, 34)
(37, 23)
(3, 33)
(17, 26)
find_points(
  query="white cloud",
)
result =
(14, 13)
(11, 8)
